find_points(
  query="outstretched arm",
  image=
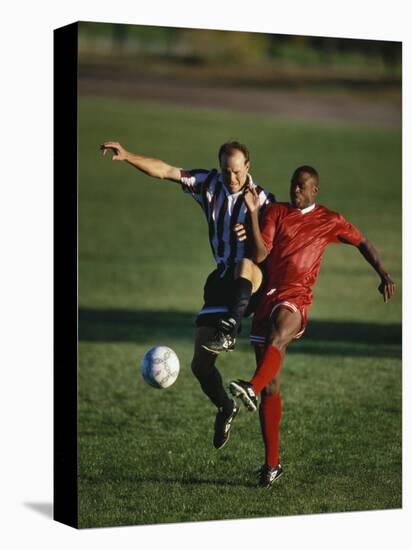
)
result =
(150, 166)
(369, 252)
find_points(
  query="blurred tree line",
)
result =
(198, 46)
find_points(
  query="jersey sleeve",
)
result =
(268, 226)
(193, 182)
(345, 232)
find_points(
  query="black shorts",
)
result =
(218, 294)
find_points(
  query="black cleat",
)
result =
(220, 342)
(223, 423)
(245, 392)
(268, 475)
(228, 326)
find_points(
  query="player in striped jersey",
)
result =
(293, 238)
(229, 287)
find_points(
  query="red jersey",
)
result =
(296, 240)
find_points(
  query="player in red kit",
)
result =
(292, 239)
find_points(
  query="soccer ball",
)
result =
(160, 367)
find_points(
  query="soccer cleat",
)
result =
(220, 342)
(245, 392)
(268, 475)
(223, 423)
(228, 326)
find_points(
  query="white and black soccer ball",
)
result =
(160, 367)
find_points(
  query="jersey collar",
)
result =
(306, 210)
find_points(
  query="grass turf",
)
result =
(146, 456)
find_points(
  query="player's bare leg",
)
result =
(203, 367)
(284, 325)
(247, 269)
(247, 280)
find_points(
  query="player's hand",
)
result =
(387, 288)
(119, 153)
(240, 231)
(251, 198)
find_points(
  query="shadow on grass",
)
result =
(119, 325)
(348, 338)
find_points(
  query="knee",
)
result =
(244, 269)
(284, 326)
(279, 338)
(257, 278)
(247, 269)
(278, 342)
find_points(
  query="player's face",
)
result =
(235, 170)
(303, 190)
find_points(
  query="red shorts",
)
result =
(263, 315)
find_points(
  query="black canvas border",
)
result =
(65, 509)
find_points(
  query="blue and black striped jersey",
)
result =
(223, 210)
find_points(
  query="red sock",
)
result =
(268, 368)
(270, 412)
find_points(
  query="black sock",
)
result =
(212, 385)
(241, 299)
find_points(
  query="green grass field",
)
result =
(146, 456)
